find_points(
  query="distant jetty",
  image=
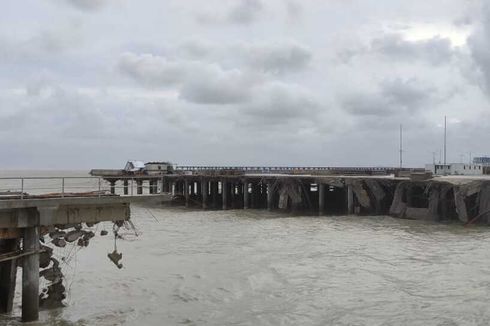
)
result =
(402, 193)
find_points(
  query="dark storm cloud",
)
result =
(392, 97)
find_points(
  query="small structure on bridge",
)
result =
(134, 167)
(455, 169)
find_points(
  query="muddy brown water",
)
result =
(192, 267)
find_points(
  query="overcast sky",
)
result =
(93, 83)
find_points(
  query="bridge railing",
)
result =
(26, 187)
(291, 169)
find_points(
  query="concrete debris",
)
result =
(57, 234)
(52, 274)
(73, 235)
(59, 242)
(83, 242)
(361, 194)
(53, 296)
(104, 232)
(45, 256)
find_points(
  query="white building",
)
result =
(158, 167)
(455, 169)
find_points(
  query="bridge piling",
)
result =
(350, 200)
(270, 195)
(224, 192)
(245, 195)
(30, 275)
(8, 275)
(204, 193)
(321, 198)
(187, 192)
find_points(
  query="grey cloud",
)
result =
(294, 10)
(219, 87)
(392, 97)
(245, 12)
(279, 103)
(436, 50)
(479, 44)
(90, 5)
(242, 12)
(275, 58)
(197, 82)
(153, 70)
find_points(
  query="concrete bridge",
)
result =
(32, 206)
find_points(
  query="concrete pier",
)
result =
(30, 275)
(270, 196)
(187, 191)
(8, 273)
(350, 200)
(224, 193)
(245, 195)
(321, 198)
(26, 217)
(204, 193)
(214, 193)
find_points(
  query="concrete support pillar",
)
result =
(321, 198)
(126, 186)
(350, 200)
(270, 196)
(186, 192)
(113, 186)
(214, 193)
(139, 187)
(198, 188)
(245, 195)
(224, 193)
(30, 275)
(254, 196)
(204, 193)
(8, 273)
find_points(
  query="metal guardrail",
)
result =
(23, 187)
(289, 169)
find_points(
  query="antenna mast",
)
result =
(445, 141)
(401, 146)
